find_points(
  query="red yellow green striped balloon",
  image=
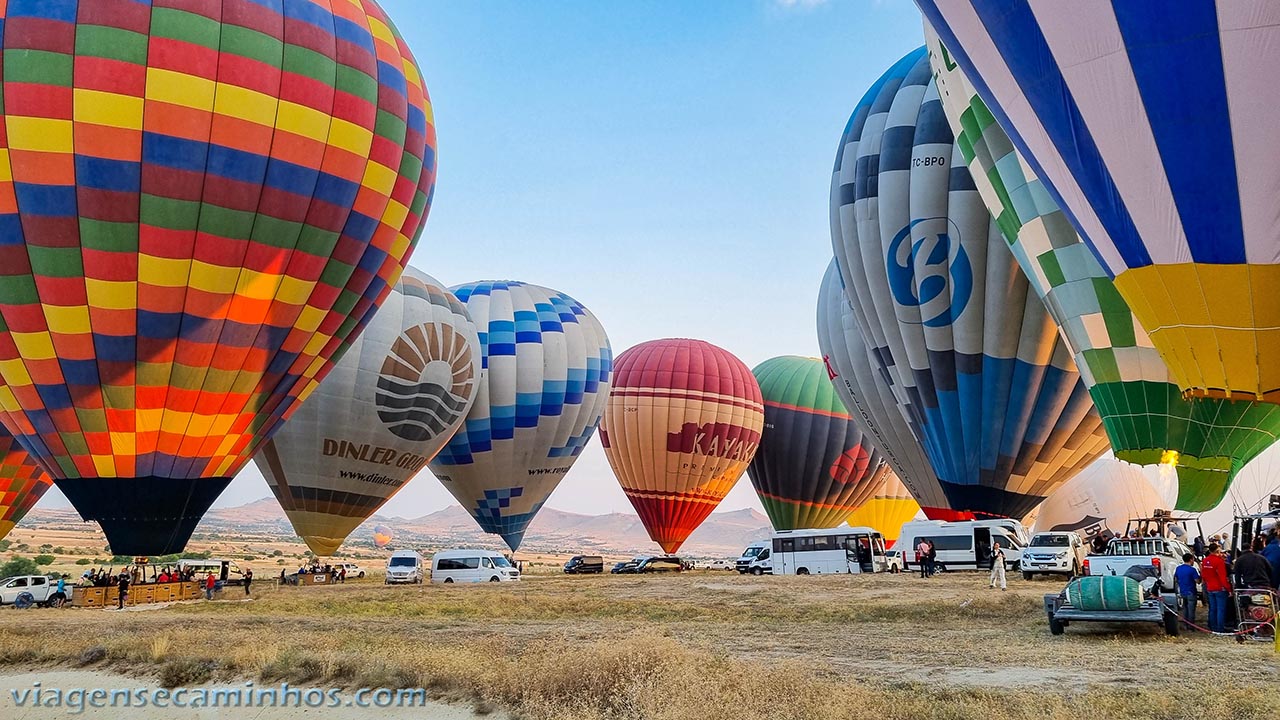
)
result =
(22, 483)
(201, 203)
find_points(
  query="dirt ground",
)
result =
(674, 647)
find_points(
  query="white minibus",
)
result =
(836, 550)
(471, 566)
(966, 544)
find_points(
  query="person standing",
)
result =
(922, 556)
(209, 584)
(1186, 576)
(248, 580)
(342, 575)
(1251, 569)
(123, 585)
(1217, 584)
(997, 566)
(1272, 553)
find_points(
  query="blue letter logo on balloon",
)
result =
(931, 258)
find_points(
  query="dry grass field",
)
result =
(701, 645)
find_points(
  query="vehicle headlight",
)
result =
(1062, 555)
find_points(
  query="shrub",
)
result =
(84, 561)
(18, 566)
(45, 559)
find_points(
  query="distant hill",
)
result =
(723, 534)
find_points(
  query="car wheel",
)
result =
(448, 581)
(1170, 623)
(802, 571)
(1026, 575)
(361, 575)
(1075, 570)
(494, 579)
(757, 571)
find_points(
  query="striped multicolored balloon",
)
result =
(22, 483)
(683, 421)
(201, 203)
(1147, 419)
(1153, 126)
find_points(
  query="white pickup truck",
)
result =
(43, 590)
(1053, 552)
(1139, 558)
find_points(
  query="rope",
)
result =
(1275, 619)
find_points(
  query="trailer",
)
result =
(1161, 610)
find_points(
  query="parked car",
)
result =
(720, 564)
(893, 560)
(1054, 553)
(584, 565)
(42, 589)
(626, 567)
(660, 564)
(353, 570)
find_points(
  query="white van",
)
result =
(225, 570)
(471, 566)
(755, 559)
(404, 566)
(965, 545)
(840, 550)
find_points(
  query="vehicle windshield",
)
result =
(401, 562)
(1051, 541)
(501, 561)
(751, 552)
(1009, 541)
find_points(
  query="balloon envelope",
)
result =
(1156, 131)
(866, 392)
(814, 465)
(890, 506)
(1103, 496)
(547, 365)
(382, 536)
(1004, 417)
(1146, 418)
(200, 205)
(385, 410)
(22, 483)
(682, 423)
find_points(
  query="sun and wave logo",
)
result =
(921, 271)
(426, 382)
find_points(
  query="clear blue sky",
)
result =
(665, 163)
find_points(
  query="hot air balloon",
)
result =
(22, 483)
(865, 392)
(385, 410)
(890, 506)
(1146, 418)
(1101, 497)
(381, 536)
(683, 421)
(547, 365)
(1155, 131)
(1004, 417)
(815, 465)
(200, 205)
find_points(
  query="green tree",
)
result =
(18, 566)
